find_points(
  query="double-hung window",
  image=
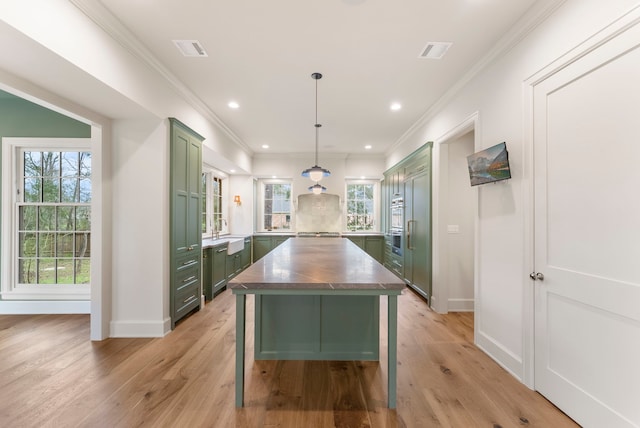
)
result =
(276, 207)
(46, 219)
(361, 205)
(212, 204)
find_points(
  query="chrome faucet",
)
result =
(215, 231)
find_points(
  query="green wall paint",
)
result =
(22, 118)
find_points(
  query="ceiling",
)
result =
(261, 54)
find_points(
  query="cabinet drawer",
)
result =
(187, 261)
(187, 299)
(187, 277)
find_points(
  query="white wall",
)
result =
(460, 218)
(496, 93)
(97, 72)
(140, 154)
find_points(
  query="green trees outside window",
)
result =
(277, 206)
(54, 217)
(360, 207)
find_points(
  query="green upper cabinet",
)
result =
(186, 236)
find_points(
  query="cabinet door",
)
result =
(417, 260)
(218, 270)
(180, 178)
(277, 240)
(374, 245)
(358, 240)
(261, 246)
(246, 253)
(207, 265)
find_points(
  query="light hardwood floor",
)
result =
(51, 375)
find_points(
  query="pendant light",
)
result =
(316, 173)
(317, 189)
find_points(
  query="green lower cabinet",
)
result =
(308, 327)
(372, 245)
(264, 244)
(234, 264)
(207, 282)
(218, 269)
(245, 256)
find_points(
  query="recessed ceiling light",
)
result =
(362, 177)
(396, 106)
(233, 104)
(274, 176)
(265, 146)
(368, 147)
(435, 50)
(232, 171)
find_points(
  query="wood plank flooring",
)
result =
(51, 375)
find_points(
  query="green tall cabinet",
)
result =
(185, 209)
(411, 180)
(417, 197)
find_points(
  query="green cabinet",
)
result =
(219, 266)
(245, 257)
(417, 254)
(185, 235)
(207, 271)
(234, 264)
(411, 179)
(262, 244)
(371, 244)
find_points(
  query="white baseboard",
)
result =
(37, 307)
(461, 305)
(508, 360)
(140, 328)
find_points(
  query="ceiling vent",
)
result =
(190, 47)
(435, 50)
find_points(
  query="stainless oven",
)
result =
(396, 241)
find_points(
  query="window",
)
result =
(212, 206)
(361, 206)
(277, 206)
(49, 218)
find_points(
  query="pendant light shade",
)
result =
(317, 189)
(316, 173)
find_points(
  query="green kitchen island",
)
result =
(317, 299)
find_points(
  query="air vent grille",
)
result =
(190, 48)
(435, 50)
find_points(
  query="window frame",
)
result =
(10, 289)
(210, 176)
(262, 183)
(376, 204)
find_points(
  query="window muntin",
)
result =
(276, 206)
(213, 207)
(53, 211)
(361, 206)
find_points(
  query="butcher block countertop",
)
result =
(317, 264)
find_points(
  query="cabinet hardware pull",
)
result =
(221, 250)
(189, 248)
(192, 277)
(396, 263)
(189, 262)
(189, 299)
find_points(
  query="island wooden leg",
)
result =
(240, 327)
(392, 358)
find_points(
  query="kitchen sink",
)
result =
(235, 245)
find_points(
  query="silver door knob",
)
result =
(536, 276)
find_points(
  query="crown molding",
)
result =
(521, 29)
(102, 17)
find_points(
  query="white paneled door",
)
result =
(586, 151)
